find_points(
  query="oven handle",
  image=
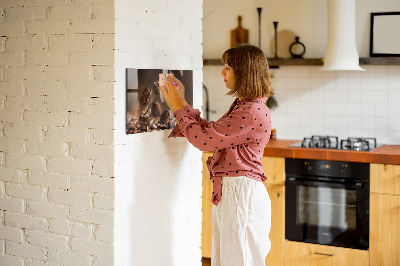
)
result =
(324, 254)
(357, 185)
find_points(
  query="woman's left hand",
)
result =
(171, 95)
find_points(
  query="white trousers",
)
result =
(241, 223)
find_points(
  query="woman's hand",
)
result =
(172, 94)
(181, 91)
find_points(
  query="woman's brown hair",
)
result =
(250, 66)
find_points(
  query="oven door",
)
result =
(327, 213)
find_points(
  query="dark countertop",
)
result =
(389, 154)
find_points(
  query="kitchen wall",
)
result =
(56, 132)
(342, 103)
(158, 180)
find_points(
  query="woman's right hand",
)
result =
(181, 91)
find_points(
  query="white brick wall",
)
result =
(56, 132)
(156, 177)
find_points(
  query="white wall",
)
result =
(158, 180)
(344, 103)
(56, 132)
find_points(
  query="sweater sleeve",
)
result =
(193, 113)
(229, 131)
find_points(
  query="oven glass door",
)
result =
(327, 213)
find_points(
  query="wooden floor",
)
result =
(206, 261)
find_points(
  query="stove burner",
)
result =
(328, 142)
(358, 144)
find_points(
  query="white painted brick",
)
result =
(46, 88)
(82, 230)
(98, 120)
(70, 12)
(45, 27)
(103, 41)
(69, 166)
(12, 29)
(2, 191)
(103, 11)
(91, 89)
(24, 72)
(104, 73)
(25, 161)
(8, 260)
(60, 227)
(74, 135)
(11, 88)
(32, 262)
(56, 149)
(25, 103)
(11, 59)
(25, 221)
(69, 197)
(190, 48)
(91, 247)
(46, 118)
(71, 42)
(46, 2)
(2, 158)
(103, 202)
(47, 240)
(11, 116)
(3, 44)
(91, 26)
(105, 260)
(46, 58)
(95, 216)
(48, 179)
(103, 168)
(21, 43)
(11, 233)
(97, 105)
(104, 233)
(12, 204)
(56, 103)
(46, 209)
(81, 73)
(25, 191)
(24, 132)
(12, 145)
(24, 13)
(93, 184)
(2, 222)
(68, 258)
(25, 250)
(92, 151)
(97, 57)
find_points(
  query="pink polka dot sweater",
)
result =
(238, 139)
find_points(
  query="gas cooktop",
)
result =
(332, 142)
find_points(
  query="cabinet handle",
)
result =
(325, 254)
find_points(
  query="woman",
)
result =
(242, 208)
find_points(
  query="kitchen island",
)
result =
(384, 248)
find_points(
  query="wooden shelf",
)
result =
(274, 63)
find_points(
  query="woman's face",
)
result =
(229, 76)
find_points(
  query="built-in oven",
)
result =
(327, 202)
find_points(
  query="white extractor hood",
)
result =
(341, 51)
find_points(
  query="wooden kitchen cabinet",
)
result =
(305, 254)
(385, 178)
(206, 225)
(384, 236)
(274, 168)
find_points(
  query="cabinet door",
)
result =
(277, 233)
(274, 168)
(385, 178)
(384, 229)
(206, 232)
(304, 254)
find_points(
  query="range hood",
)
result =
(341, 51)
